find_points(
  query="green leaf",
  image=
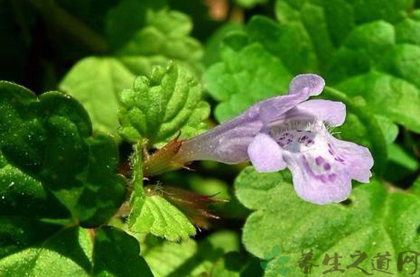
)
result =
(387, 96)
(243, 78)
(362, 49)
(49, 251)
(389, 129)
(235, 264)
(126, 18)
(264, 265)
(49, 139)
(157, 108)
(65, 252)
(190, 258)
(24, 195)
(250, 3)
(110, 245)
(416, 187)
(399, 156)
(375, 219)
(19, 233)
(400, 164)
(178, 253)
(37, 240)
(407, 30)
(104, 191)
(161, 218)
(154, 39)
(96, 83)
(289, 43)
(213, 44)
(166, 37)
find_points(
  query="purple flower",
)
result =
(290, 131)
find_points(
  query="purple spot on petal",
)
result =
(319, 160)
(309, 142)
(323, 178)
(302, 139)
(307, 167)
(327, 166)
(331, 150)
(332, 177)
(338, 159)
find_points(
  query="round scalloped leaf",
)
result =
(159, 107)
(374, 219)
(49, 250)
(49, 139)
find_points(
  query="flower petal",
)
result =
(310, 84)
(315, 188)
(226, 143)
(265, 154)
(322, 166)
(332, 112)
(359, 159)
(301, 87)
